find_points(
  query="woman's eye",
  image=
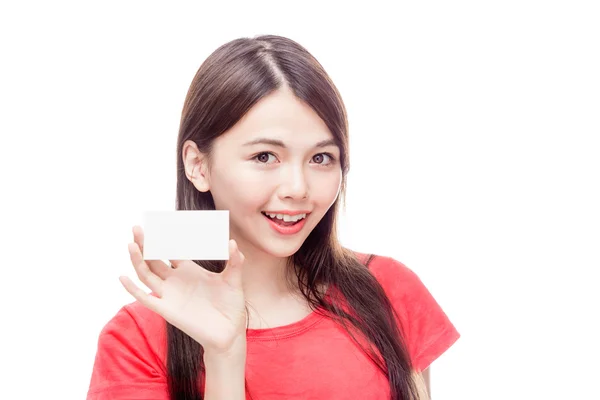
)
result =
(263, 158)
(321, 158)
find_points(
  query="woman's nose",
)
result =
(293, 184)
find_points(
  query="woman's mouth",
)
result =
(286, 224)
(284, 219)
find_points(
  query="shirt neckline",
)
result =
(289, 330)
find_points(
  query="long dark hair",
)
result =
(231, 80)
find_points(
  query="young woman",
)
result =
(292, 314)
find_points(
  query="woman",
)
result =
(293, 314)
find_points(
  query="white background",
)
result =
(474, 151)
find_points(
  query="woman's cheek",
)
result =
(328, 186)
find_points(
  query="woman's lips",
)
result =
(286, 230)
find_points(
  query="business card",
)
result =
(186, 235)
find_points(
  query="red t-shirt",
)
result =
(311, 359)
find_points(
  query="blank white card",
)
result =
(186, 235)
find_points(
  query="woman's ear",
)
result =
(196, 166)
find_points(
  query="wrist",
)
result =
(235, 354)
(225, 372)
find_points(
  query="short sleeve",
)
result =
(427, 329)
(128, 361)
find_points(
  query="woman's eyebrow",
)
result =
(279, 143)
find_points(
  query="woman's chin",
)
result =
(283, 250)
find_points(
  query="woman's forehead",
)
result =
(282, 110)
(280, 120)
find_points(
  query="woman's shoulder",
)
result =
(403, 286)
(428, 330)
(130, 357)
(391, 273)
(380, 262)
(138, 326)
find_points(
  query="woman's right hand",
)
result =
(207, 306)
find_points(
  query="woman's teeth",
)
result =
(286, 218)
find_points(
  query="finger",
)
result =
(158, 267)
(148, 278)
(146, 299)
(162, 270)
(233, 270)
(138, 237)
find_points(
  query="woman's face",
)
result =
(280, 158)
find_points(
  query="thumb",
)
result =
(232, 273)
